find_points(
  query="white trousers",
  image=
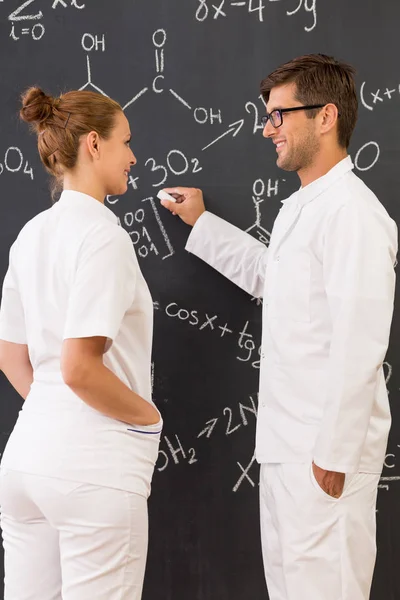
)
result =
(71, 541)
(316, 547)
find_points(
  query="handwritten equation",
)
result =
(175, 452)
(222, 8)
(22, 17)
(370, 100)
(14, 162)
(247, 351)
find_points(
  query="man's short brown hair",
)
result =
(320, 79)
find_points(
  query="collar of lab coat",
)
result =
(85, 203)
(305, 195)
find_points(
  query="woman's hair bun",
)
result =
(37, 106)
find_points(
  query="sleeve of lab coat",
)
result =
(231, 251)
(358, 265)
(103, 287)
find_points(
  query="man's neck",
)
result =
(321, 166)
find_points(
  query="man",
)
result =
(328, 282)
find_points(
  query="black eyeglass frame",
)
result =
(264, 120)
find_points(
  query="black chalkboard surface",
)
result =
(187, 74)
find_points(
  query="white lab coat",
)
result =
(328, 284)
(73, 273)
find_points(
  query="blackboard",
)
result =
(187, 74)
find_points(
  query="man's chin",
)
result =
(285, 165)
(281, 162)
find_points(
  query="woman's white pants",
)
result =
(71, 541)
(316, 547)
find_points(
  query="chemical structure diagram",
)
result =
(258, 197)
(201, 115)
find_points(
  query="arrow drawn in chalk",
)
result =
(234, 129)
(15, 16)
(207, 431)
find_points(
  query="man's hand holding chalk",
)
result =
(187, 203)
(164, 196)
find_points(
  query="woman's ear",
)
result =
(92, 143)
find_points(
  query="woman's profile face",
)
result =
(116, 157)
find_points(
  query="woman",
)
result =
(76, 328)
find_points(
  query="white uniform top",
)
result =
(328, 283)
(73, 273)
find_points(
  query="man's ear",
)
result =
(329, 117)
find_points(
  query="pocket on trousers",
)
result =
(154, 429)
(322, 492)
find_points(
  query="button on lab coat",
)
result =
(328, 281)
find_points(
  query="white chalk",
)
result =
(164, 196)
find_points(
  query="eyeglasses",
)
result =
(276, 116)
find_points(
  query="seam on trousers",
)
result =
(264, 492)
(283, 472)
(341, 546)
(129, 549)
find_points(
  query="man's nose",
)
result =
(268, 129)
